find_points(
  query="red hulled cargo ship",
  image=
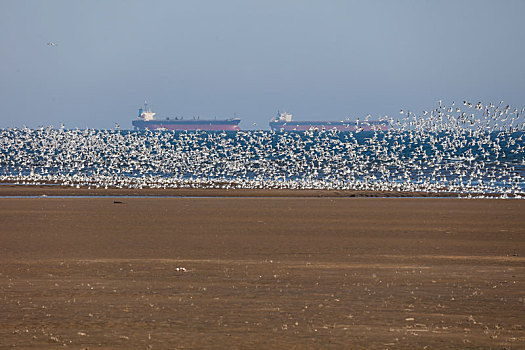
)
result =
(284, 122)
(147, 121)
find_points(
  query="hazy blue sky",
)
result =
(324, 60)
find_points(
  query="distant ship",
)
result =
(283, 122)
(147, 121)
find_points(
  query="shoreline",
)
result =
(15, 190)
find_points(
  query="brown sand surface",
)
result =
(167, 273)
(57, 190)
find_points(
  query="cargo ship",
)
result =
(284, 122)
(147, 121)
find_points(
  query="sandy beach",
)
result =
(278, 271)
(8, 189)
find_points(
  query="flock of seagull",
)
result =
(465, 148)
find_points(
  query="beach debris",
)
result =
(53, 339)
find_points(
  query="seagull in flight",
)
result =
(52, 44)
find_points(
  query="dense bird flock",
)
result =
(466, 148)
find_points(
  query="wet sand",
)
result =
(56, 190)
(276, 272)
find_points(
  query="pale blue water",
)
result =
(461, 161)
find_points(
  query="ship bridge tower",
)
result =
(282, 117)
(146, 114)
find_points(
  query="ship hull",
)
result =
(206, 125)
(329, 125)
